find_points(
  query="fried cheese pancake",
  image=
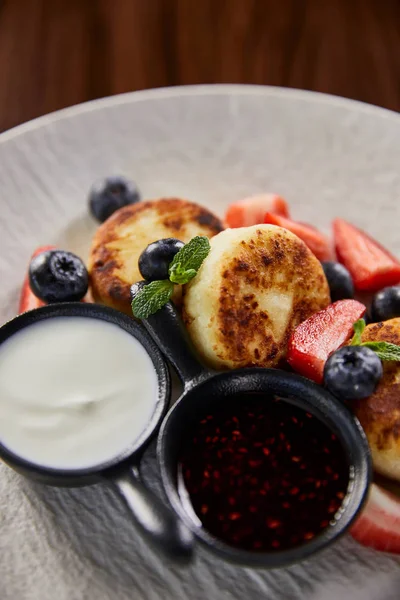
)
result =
(119, 241)
(256, 285)
(379, 414)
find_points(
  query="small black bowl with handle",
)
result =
(157, 522)
(204, 388)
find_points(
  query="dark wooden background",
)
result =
(54, 53)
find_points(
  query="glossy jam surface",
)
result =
(75, 392)
(261, 474)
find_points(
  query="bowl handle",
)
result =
(170, 334)
(156, 521)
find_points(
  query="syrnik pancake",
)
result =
(380, 413)
(118, 243)
(256, 285)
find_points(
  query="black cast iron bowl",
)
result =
(155, 520)
(204, 388)
(173, 531)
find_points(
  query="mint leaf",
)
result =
(188, 260)
(179, 275)
(384, 350)
(359, 327)
(151, 298)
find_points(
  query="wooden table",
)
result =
(54, 53)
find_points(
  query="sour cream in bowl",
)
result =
(74, 392)
(83, 389)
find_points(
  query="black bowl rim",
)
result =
(128, 324)
(316, 400)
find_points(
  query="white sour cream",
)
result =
(74, 392)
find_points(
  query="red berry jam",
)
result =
(263, 474)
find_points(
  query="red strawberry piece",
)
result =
(378, 526)
(317, 242)
(371, 266)
(28, 300)
(314, 340)
(251, 210)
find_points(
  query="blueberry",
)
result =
(352, 372)
(108, 195)
(156, 258)
(58, 276)
(385, 304)
(339, 280)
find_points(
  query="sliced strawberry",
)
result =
(251, 210)
(379, 523)
(314, 239)
(28, 300)
(315, 339)
(371, 266)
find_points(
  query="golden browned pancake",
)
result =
(256, 285)
(118, 243)
(380, 413)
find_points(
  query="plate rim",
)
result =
(220, 89)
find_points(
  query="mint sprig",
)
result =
(188, 260)
(358, 327)
(151, 298)
(182, 269)
(384, 350)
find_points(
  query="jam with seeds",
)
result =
(262, 474)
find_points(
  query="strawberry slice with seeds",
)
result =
(28, 300)
(314, 340)
(250, 211)
(317, 242)
(379, 523)
(370, 264)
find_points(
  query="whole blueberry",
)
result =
(340, 282)
(156, 258)
(58, 276)
(385, 304)
(352, 373)
(109, 194)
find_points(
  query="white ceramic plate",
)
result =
(212, 144)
